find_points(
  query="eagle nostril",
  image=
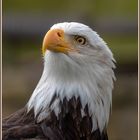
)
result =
(59, 34)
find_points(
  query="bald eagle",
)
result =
(73, 98)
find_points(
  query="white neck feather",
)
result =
(91, 82)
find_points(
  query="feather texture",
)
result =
(68, 125)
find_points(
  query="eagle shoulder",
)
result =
(21, 125)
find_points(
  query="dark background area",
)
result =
(24, 26)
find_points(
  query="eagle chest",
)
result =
(70, 124)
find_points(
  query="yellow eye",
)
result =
(81, 40)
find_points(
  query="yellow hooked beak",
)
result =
(54, 41)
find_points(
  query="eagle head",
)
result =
(77, 63)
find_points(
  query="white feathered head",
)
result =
(77, 62)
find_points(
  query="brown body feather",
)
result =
(69, 125)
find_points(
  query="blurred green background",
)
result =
(24, 26)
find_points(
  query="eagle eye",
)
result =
(81, 40)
